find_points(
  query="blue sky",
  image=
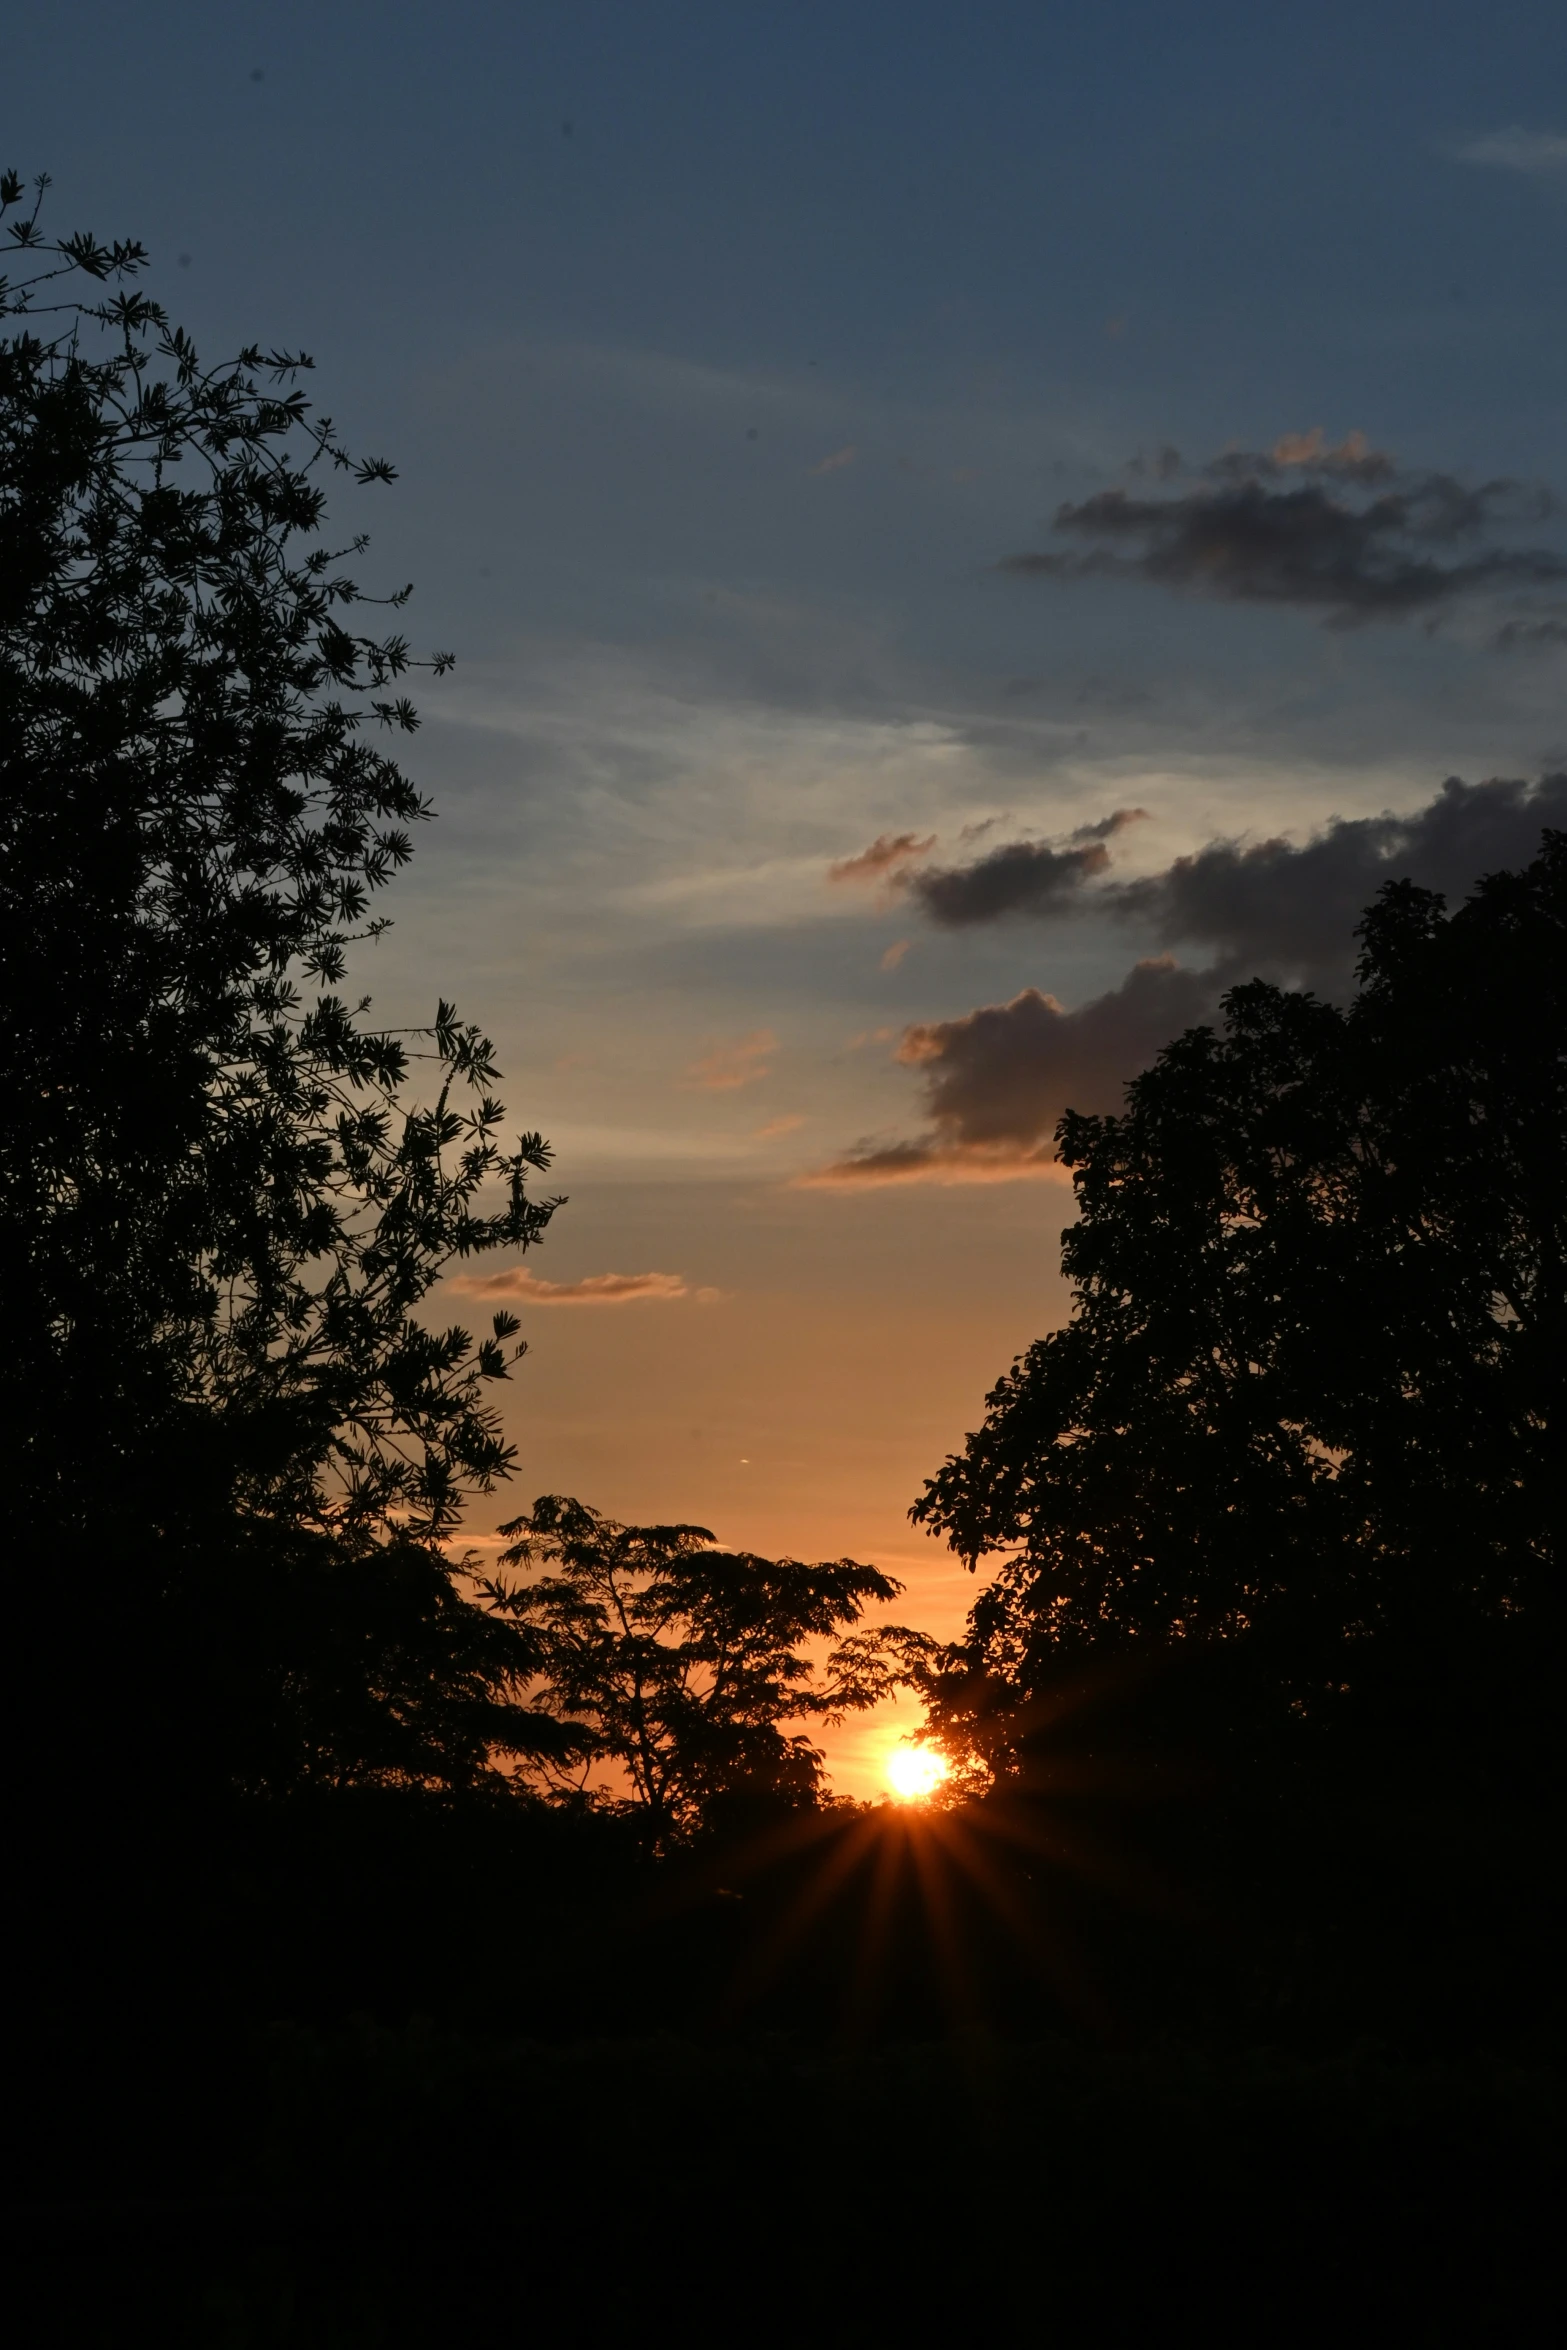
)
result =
(726, 354)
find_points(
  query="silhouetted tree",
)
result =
(680, 1662)
(351, 1665)
(1310, 1395)
(220, 1207)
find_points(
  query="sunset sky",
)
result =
(921, 498)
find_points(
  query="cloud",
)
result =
(1341, 530)
(1004, 1074)
(895, 954)
(836, 462)
(1538, 154)
(872, 1166)
(1353, 460)
(886, 854)
(1532, 632)
(729, 1066)
(597, 1289)
(998, 1080)
(787, 1125)
(1024, 877)
(1288, 911)
(1276, 908)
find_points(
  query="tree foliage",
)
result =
(681, 1662)
(1311, 1388)
(217, 1205)
(225, 1193)
(349, 1666)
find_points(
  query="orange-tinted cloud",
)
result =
(998, 1080)
(729, 1066)
(839, 458)
(1354, 452)
(596, 1289)
(887, 852)
(785, 1125)
(934, 1162)
(895, 953)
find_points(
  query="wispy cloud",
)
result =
(888, 853)
(729, 1066)
(790, 1124)
(596, 1289)
(1538, 154)
(838, 460)
(929, 1161)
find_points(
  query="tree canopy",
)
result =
(215, 1197)
(225, 1193)
(679, 1663)
(1310, 1393)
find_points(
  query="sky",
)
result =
(965, 530)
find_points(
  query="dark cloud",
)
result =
(1278, 908)
(1288, 911)
(998, 1080)
(1108, 826)
(1024, 877)
(1340, 530)
(1005, 1073)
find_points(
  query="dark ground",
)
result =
(371, 2072)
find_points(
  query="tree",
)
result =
(352, 1666)
(221, 1206)
(1309, 1400)
(680, 1662)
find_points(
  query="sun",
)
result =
(913, 1772)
